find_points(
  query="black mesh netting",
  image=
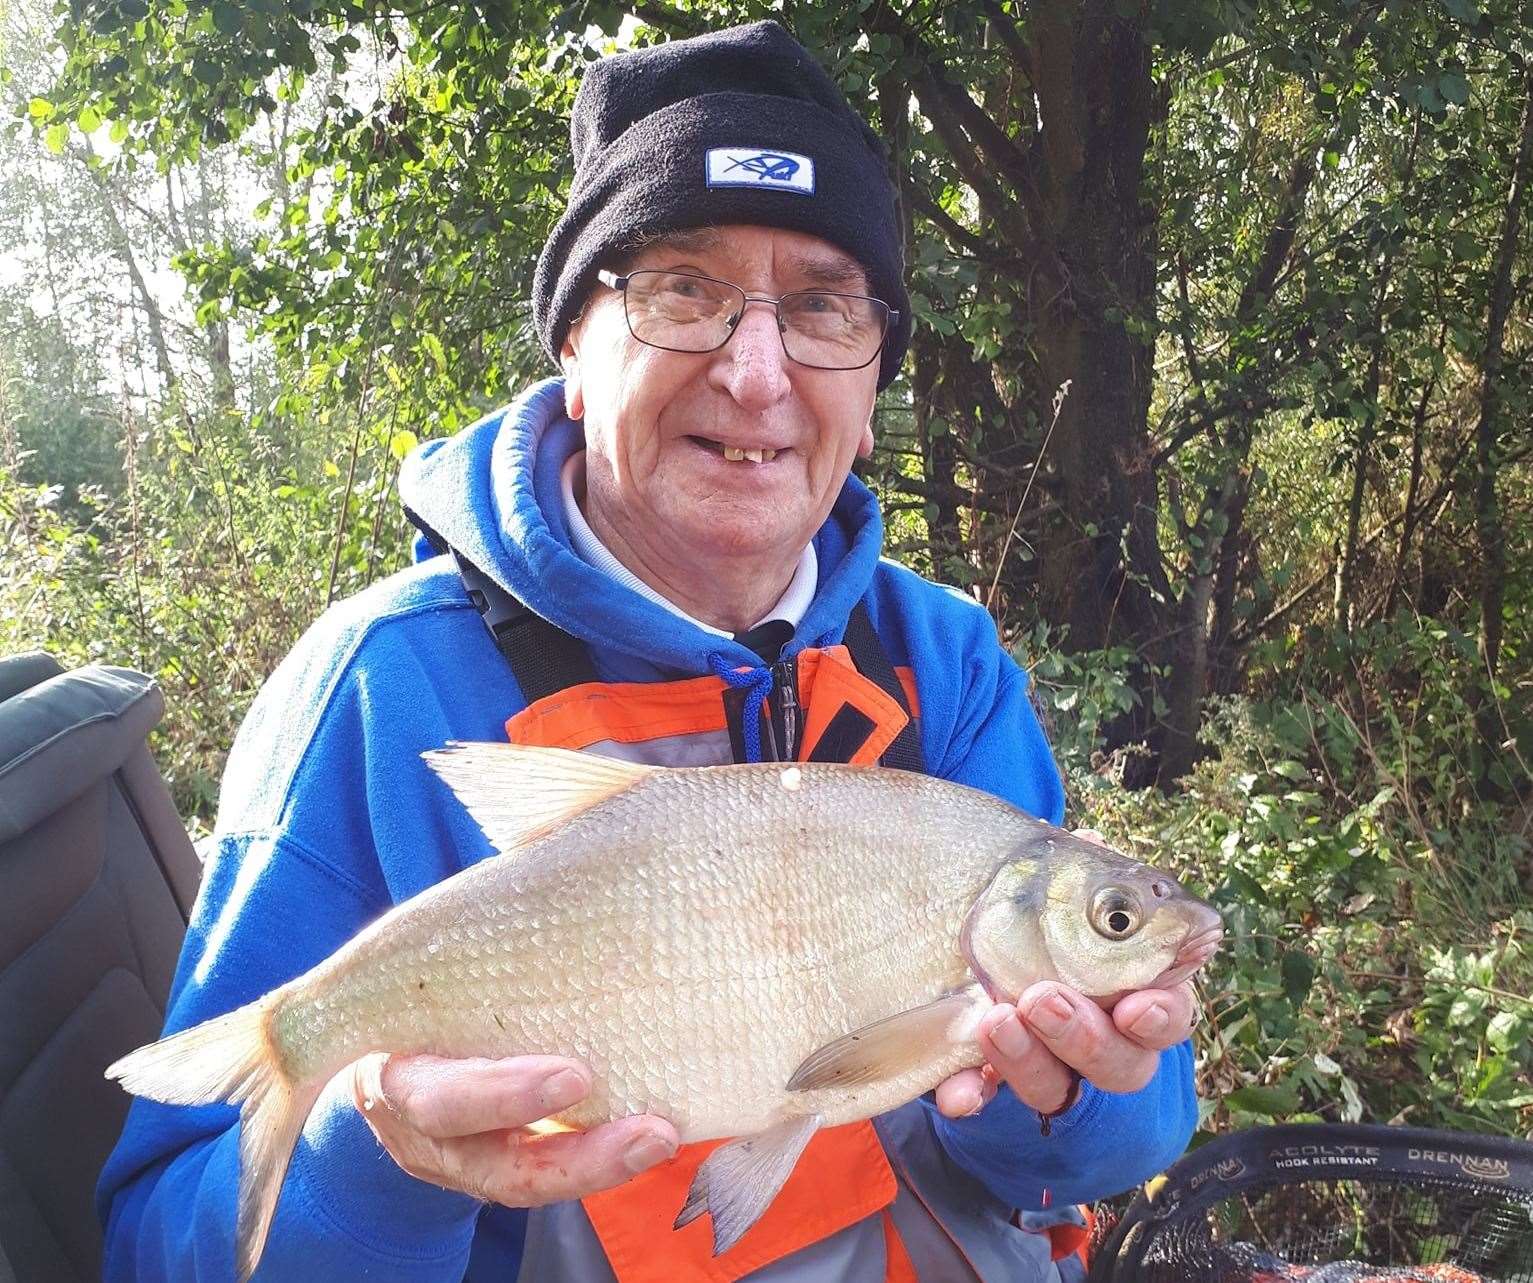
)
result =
(1332, 1204)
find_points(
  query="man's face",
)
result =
(656, 421)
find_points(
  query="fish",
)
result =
(752, 951)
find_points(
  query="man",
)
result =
(724, 298)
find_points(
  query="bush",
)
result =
(1380, 942)
(203, 570)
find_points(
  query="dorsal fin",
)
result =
(518, 793)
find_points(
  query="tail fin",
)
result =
(229, 1058)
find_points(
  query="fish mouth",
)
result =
(1196, 949)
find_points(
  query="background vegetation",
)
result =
(1219, 399)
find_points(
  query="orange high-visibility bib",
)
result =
(843, 1175)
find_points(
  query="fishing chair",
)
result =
(1332, 1204)
(97, 879)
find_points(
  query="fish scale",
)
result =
(748, 951)
(721, 949)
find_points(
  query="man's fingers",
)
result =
(1157, 1018)
(1080, 1033)
(443, 1098)
(1028, 1066)
(524, 1171)
(965, 1093)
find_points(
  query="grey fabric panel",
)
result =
(95, 886)
(58, 737)
(60, 1119)
(30, 1247)
(699, 748)
(933, 1255)
(958, 1207)
(17, 672)
(44, 871)
(150, 801)
(562, 1247)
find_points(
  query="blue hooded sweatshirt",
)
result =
(328, 816)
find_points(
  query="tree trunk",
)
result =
(1412, 487)
(1096, 100)
(1488, 527)
(1345, 606)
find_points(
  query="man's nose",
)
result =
(752, 367)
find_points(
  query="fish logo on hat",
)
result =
(760, 167)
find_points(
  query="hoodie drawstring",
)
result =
(759, 682)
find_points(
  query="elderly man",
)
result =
(662, 556)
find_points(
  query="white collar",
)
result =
(791, 606)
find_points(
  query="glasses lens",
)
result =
(681, 312)
(833, 331)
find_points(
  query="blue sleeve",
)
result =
(992, 740)
(347, 1210)
(1102, 1145)
(1105, 1143)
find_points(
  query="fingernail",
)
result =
(646, 1151)
(562, 1088)
(1010, 1038)
(1152, 1021)
(1050, 1015)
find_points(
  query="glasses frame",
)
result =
(620, 283)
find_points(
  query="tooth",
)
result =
(734, 453)
(753, 455)
(768, 455)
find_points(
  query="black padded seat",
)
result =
(97, 879)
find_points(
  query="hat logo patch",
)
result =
(760, 167)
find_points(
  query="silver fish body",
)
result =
(752, 951)
(681, 948)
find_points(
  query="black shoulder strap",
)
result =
(544, 658)
(873, 663)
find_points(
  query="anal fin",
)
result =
(738, 1181)
(887, 1048)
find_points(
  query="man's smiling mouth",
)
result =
(735, 454)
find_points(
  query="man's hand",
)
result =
(458, 1124)
(1055, 1036)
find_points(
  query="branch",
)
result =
(956, 231)
(969, 133)
(1235, 55)
(937, 492)
(1005, 27)
(1444, 488)
(1002, 208)
(675, 21)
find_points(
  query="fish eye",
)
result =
(1115, 914)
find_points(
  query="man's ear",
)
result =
(865, 446)
(569, 359)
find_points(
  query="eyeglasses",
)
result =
(681, 312)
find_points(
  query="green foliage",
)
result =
(1379, 957)
(203, 570)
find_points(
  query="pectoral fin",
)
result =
(888, 1048)
(738, 1181)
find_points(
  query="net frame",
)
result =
(1250, 1164)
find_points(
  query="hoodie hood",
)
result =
(493, 492)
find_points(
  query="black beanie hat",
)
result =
(738, 126)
